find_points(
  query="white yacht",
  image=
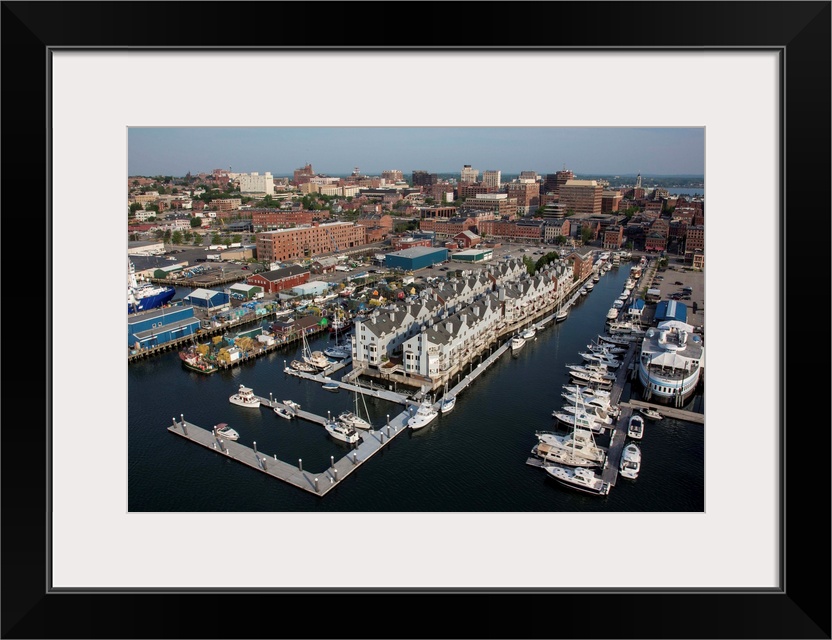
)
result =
(578, 478)
(424, 415)
(650, 413)
(222, 430)
(612, 314)
(517, 342)
(293, 406)
(529, 332)
(635, 428)
(580, 442)
(283, 412)
(245, 398)
(342, 432)
(354, 418)
(630, 464)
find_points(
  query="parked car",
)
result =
(678, 282)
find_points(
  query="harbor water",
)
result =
(472, 459)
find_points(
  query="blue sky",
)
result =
(338, 150)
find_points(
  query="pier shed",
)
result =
(208, 298)
(240, 291)
(156, 327)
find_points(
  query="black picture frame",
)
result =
(800, 608)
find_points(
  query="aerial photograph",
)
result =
(416, 319)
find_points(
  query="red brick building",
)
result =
(408, 243)
(276, 219)
(581, 263)
(384, 221)
(279, 279)
(527, 195)
(655, 242)
(467, 239)
(695, 238)
(306, 242)
(614, 237)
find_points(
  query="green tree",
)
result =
(586, 234)
(215, 238)
(176, 237)
(237, 238)
(187, 236)
(561, 239)
(197, 240)
(134, 237)
(167, 235)
(136, 206)
(196, 222)
(152, 207)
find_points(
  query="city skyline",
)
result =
(658, 151)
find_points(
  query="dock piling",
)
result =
(354, 457)
(300, 467)
(254, 446)
(332, 461)
(316, 484)
(335, 472)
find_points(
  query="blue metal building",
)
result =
(415, 258)
(152, 328)
(671, 310)
(208, 298)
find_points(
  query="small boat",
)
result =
(650, 413)
(635, 428)
(561, 316)
(293, 406)
(517, 342)
(630, 464)
(448, 402)
(222, 430)
(612, 314)
(583, 291)
(338, 352)
(245, 398)
(424, 415)
(529, 332)
(330, 386)
(579, 478)
(193, 361)
(596, 278)
(343, 432)
(284, 413)
(590, 286)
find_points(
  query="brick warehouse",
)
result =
(279, 279)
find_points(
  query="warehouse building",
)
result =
(240, 291)
(153, 328)
(473, 255)
(416, 258)
(208, 298)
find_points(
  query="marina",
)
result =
(285, 449)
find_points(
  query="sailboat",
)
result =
(562, 313)
(353, 418)
(338, 351)
(448, 402)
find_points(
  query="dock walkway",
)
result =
(321, 482)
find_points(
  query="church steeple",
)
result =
(638, 181)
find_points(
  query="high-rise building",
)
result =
(424, 179)
(581, 196)
(303, 175)
(491, 179)
(256, 184)
(392, 175)
(468, 174)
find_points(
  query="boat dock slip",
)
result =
(384, 394)
(668, 412)
(320, 482)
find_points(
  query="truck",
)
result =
(214, 257)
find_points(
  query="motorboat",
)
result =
(583, 291)
(591, 379)
(581, 419)
(424, 415)
(222, 430)
(283, 412)
(607, 349)
(612, 314)
(630, 463)
(529, 332)
(635, 428)
(292, 405)
(245, 398)
(330, 386)
(578, 478)
(650, 413)
(610, 362)
(596, 277)
(580, 442)
(617, 340)
(517, 342)
(592, 402)
(599, 414)
(562, 455)
(341, 431)
(587, 391)
(448, 403)
(561, 315)
(589, 286)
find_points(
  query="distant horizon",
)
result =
(336, 151)
(409, 173)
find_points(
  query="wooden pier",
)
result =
(669, 412)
